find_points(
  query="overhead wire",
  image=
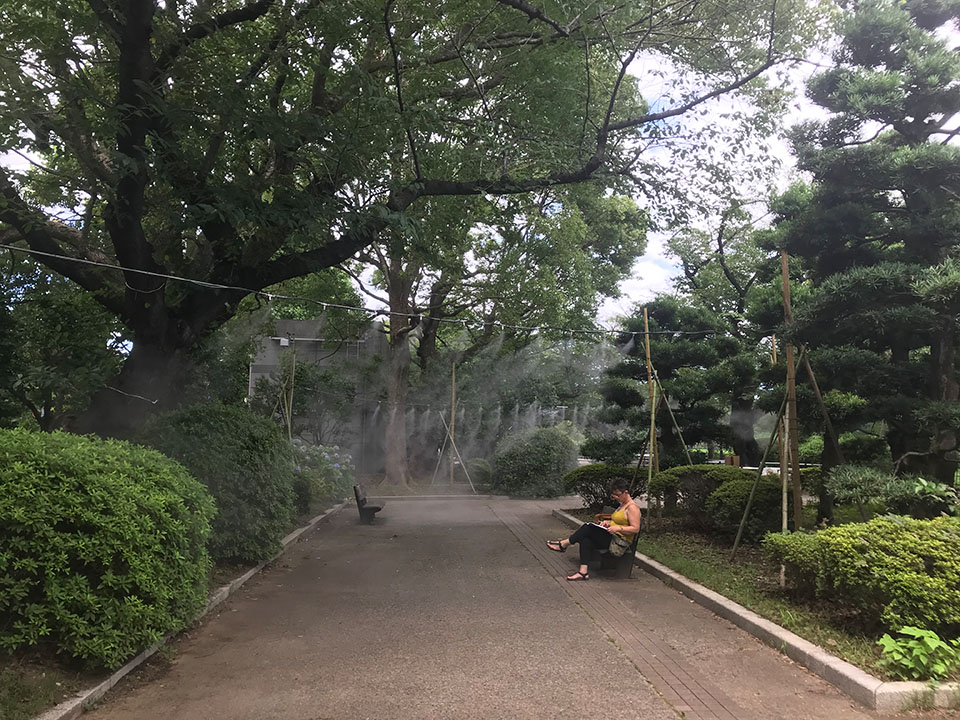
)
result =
(373, 312)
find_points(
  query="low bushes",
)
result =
(320, 473)
(725, 506)
(685, 488)
(480, 471)
(103, 545)
(533, 463)
(896, 571)
(246, 463)
(592, 483)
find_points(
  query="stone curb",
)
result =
(75, 706)
(888, 698)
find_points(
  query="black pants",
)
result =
(590, 538)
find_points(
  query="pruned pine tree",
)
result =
(879, 228)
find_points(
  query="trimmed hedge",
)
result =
(726, 504)
(102, 545)
(897, 571)
(799, 552)
(685, 488)
(592, 483)
(246, 463)
(533, 463)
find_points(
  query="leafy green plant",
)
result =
(592, 483)
(103, 545)
(919, 655)
(905, 495)
(245, 462)
(480, 470)
(534, 463)
(897, 571)
(685, 488)
(320, 473)
(725, 506)
(800, 553)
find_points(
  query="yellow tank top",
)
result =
(620, 518)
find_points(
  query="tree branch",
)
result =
(198, 31)
(396, 77)
(535, 13)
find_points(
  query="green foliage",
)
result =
(800, 553)
(320, 473)
(811, 449)
(58, 345)
(904, 494)
(103, 545)
(247, 465)
(896, 570)
(534, 463)
(617, 448)
(687, 487)
(811, 478)
(480, 470)
(592, 482)
(918, 655)
(726, 504)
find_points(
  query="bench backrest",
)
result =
(360, 494)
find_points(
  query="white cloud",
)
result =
(652, 275)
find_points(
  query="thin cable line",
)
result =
(370, 311)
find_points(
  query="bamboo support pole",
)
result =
(654, 460)
(792, 425)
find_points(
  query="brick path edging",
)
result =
(74, 707)
(876, 694)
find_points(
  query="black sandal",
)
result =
(559, 547)
(578, 576)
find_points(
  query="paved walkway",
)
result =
(455, 608)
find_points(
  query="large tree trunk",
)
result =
(943, 388)
(741, 429)
(151, 380)
(399, 288)
(398, 377)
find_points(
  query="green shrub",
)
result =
(903, 495)
(533, 463)
(811, 479)
(592, 483)
(320, 473)
(897, 570)
(685, 488)
(480, 471)
(800, 553)
(247, 465)
(619, 448)
(102, 545)
(726, 504)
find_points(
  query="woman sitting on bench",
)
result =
(593, 536)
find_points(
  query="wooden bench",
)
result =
(366, 510)
(623, 565)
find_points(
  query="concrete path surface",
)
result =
(455, 608)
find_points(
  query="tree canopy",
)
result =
(244, 144)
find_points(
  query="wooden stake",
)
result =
(792, 425)
(654, 459)
(782, 454)
(453, 414)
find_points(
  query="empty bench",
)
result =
(366, 510)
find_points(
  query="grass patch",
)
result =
(28, 686)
